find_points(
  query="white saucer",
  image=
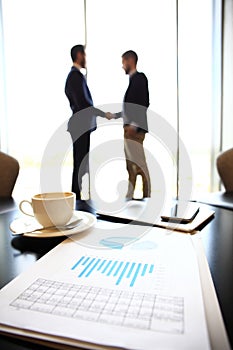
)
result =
(24, 224)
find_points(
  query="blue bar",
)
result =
(144, 269)
(86, 268)
(135, 275)
(77, 263)
(93, 267)
(131, 269)
(112, 268)
(103, 262)
(151, 268)
(86, 261)
(118, 269)
(122, 274)
(105, 268)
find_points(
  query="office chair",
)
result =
(9, 170)
(225, 169)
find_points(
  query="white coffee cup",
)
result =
(52, 208)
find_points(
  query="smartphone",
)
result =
(182, 213)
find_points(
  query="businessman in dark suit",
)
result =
(83, 120)
(134, 114)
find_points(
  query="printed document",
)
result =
(141, 294)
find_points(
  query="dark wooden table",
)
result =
(18, 253)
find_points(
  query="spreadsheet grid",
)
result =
(124, 308)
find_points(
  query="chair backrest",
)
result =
(9, 170)
(225, 169)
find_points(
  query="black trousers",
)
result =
(81, 148)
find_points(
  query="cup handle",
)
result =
(21, 207)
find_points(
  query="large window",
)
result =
(195, 87)
(150, 30)
(227, 137)
(38, 36)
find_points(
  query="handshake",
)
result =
(109, 115)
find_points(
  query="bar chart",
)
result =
(119, 270)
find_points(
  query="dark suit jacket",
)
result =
(79, 96)
(136, 101)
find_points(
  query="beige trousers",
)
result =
(136, 161)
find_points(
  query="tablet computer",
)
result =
(182, 213)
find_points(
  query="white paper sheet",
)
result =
(144, 295)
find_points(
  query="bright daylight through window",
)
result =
(38, 36)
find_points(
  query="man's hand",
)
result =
(131, 130)
(109, 115)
